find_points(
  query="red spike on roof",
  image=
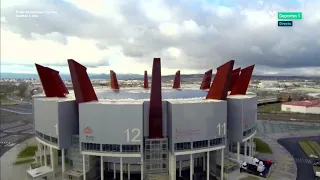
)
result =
(206, 80)
(65, 90)
(234, 78)
(176, 81)
(57, 77)
(49, 83)
(221, 82)
(82, 86)
(242, 84)
(145, 82)
(155, 110)
(113, 80)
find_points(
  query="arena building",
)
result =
(142, 133)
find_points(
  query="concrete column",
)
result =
(238, 152)
(180, 168)
(84, 166)
(204, 163)
(40, 151)
(222, 164)
(172, 165)
(114, 171)
(142, 172)
(63, 160)
(121, 168)
(101, 168)
(51, 159)
(250, 147)
(245, 150)
(45, 155)
(191, 166)
(208, 165)
(128, 171)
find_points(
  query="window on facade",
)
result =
(248, 132)
(111, 147)
(200, 144)
(39, 134)
(164, 146)
(54, 140)
(215, 142)
(91, 146)
(130, 148)
(182, 146)
(46, 137)
(155, 156)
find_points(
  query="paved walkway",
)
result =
(10, 171)
(285, 168)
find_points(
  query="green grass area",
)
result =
(28, 152)
(311, 90)
(8, 102)
(315, 147)
(24, 162)
(269, 108)
(261, 146)
(309, 148)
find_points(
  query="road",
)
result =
(18, 99)
(304, 165)
(18, 109)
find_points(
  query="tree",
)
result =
(22, 89)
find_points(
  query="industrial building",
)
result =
(142, 133)
(307, 106)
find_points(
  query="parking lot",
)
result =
(14, 127)
(281, 126)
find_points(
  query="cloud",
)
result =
(191, 34)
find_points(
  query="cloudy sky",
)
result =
(190, 35)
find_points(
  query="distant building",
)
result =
(308, 106)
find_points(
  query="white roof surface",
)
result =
(138, 95)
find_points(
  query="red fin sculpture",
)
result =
(145, 81)
(155, 110)
(206, 80)
(176, 81)
(113, 81)
(65, 90)
(82, 85)
(234, 78)
(243, 81)
(58, 79)
(50, 83)
(221, 82)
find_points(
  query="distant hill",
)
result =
(138, 76)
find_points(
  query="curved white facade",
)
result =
(115, 132)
